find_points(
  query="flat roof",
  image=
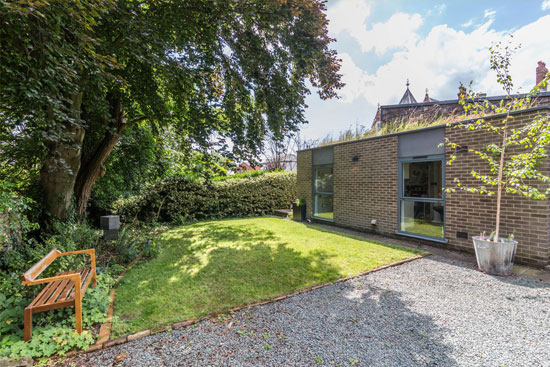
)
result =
(454, 101)
(527, 110)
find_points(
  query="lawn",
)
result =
(215, 265)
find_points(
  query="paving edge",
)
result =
(184, 323)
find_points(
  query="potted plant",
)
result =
(299, 210)
(512, 158)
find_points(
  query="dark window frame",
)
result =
(315, 192)
(401, 197)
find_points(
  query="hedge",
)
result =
(184, 199)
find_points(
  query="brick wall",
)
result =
(366, 189)
(305, 178)
(529, 220)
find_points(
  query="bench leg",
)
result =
(78, 313)
(94, 280)
(27, 324)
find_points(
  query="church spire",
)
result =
(407, 98)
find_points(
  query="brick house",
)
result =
(392, 185)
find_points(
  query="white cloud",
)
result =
(351, 17)
(545, 5)
(438, 60)
(437, 10)
(467, 24)
(397, 32)
(356, 79)
(442, 59)
(533, 38)
(489, 13)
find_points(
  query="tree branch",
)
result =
(135, 120)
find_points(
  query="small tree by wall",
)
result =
(514, 157)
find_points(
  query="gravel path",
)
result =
(429, 312)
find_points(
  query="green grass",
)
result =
(216, 265)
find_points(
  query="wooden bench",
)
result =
(63, 290)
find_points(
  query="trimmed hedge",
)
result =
(183, 199)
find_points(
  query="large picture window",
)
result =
(421, 197)
(323, 192)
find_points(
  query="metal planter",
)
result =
(495, 258)
(298, 212)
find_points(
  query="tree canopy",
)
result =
(76, 75)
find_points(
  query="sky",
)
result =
(434, 44)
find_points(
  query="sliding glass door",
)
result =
(421, 197)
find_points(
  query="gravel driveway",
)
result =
(429, 312)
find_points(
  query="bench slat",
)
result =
(49, 289)
(40, 295)
(63, 285)
(62, 291)
(86, 277)
(52, 306)
(83, 273)
(64, 296)
(46, 296)
(86, 282)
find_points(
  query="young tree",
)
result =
(280, 155)
(77, 74)
(513, 158)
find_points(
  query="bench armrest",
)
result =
(40, 266)
(90, 252)
(75, 277)
(29, 278)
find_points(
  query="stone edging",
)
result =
(181, 324)
(105, 328)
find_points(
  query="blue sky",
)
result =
(435, 44)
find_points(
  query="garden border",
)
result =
(188, 322)
(105, 328)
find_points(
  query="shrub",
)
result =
(135, 242)
(183, 199)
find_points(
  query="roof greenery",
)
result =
(399, 125)
(407, 123)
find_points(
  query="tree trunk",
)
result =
(500, 173)
(91, 170)
(61, 166)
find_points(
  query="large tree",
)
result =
(75, 75)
